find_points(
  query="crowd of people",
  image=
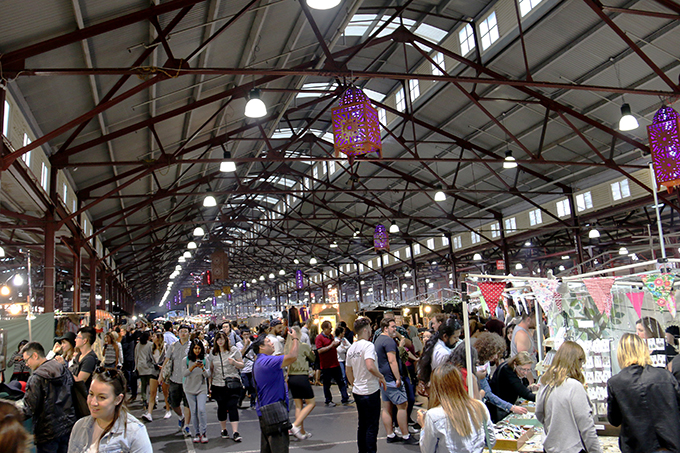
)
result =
(78, 392)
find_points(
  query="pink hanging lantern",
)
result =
(381, 240)
(664, 142)
(356, 128)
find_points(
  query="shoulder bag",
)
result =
(274, 416)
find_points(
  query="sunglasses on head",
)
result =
(111, 373)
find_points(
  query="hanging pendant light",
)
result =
(2, 252)
(477, 257)
(394, 228)
(282, 272)
(227, 165)
(322, 4)
(209, 201)
(623, 251)
(191, 245)
(198, 231)
(272, 276)
(518, 266)
(334, 245)
(18, 280)
(439, 195)
(312, 261)
(255, 108)
(509, 161)
(594, 233)
(627, 121)
(187, 255)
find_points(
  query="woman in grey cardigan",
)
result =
(563, 405)
(144, 363)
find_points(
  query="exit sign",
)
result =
(500, 265)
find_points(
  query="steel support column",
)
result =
(49, 275)
(361, 291)
(416, 292)
(93, 290)
(77, 276)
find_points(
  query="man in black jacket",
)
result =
(129, 342)
(48, 400)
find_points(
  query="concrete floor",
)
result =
(333, 429)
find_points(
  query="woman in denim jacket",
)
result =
(110, 427)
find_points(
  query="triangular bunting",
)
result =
(545, 293)
(600, 290)
(492, 292)
(661, 287)
(636, 299)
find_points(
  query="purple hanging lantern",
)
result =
(244, 286)
(356, 128)
(664, 142)
(381, 240)
(299, 279)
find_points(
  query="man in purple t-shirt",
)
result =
(271, 386)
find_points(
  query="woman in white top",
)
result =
(455, 422)
(342, 350)
(225, 369)
(110, 427)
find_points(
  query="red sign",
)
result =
(500, 265)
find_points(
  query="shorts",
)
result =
(300, 387)
(176, 395)
(393, 394)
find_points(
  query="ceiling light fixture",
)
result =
(322, 4)
(282, 272)
(187, 254)
(255, 108)
(227, 165)
(198, 231)
(191, 245)
(2, 252)
(518, 266)
(509, 161)
(561, 268)
(261, 278)
(394, 228)
(477, 257)
(312, 261)
(209, 202)
(623, 251)
(18, 280)
(272, 276)
(334, 245)
(439, 195)
(593, 234)
(627, 121)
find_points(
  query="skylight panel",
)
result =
(431, 33)
(316, 86)
(374, 95)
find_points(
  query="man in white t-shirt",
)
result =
(276, 329)
(363, 375)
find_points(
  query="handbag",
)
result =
(231, 382)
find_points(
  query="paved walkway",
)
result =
(333, 429)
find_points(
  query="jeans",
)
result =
(58, 445)
(145, 386)
(411, 395)
(277, 443)
(248, 386)
(368, 409)
(131, 377)
(344, 374)
(199, 416)
(333, 373)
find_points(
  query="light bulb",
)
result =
(627, 121)
(394, 228)
(198, 231)
(255, 108)
(509, 161)
(209, 201)
(191, 245)
(18, 280)
(4, 291)
(296, 261)
(322, 4)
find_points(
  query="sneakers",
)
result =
(225, 434)
(349, 401)
(167, 415)
(410, 441)
(187, 431)
(197, 439)
(237, 437)
(146, 416)
(414, 429)
(330, 404)
(180, 422)
(296, 431)
(308, 435)
(394, 439)
(397, 431)
(204, 438)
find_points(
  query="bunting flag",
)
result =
(661, 287)
(636, 299)
(600, 290)
(492, 292)
(545, 292)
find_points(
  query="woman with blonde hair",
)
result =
(510, 382)
(298, 383)
(454, 422)
(562, 404)
(643, 400)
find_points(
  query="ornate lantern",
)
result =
(664, 142)
(381, 240)
(244, 286)
(299, 279)
(356, 128)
